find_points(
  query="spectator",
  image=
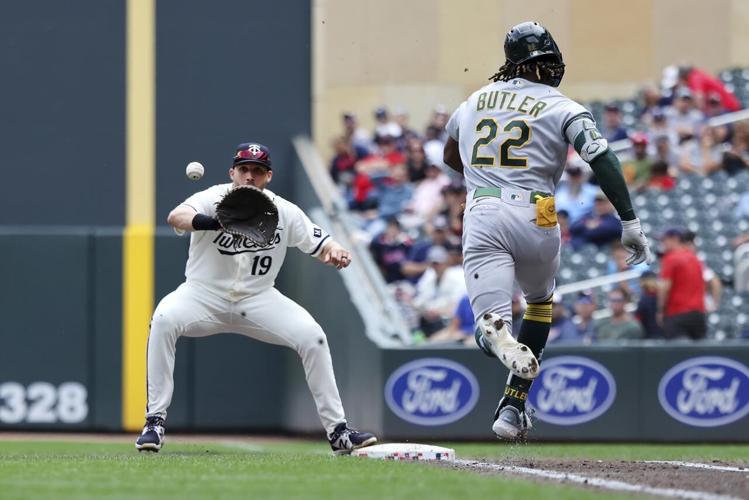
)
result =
(438, 291)
(342, 166)
(659, 129)
(684, 117)
(735, 159)
(574, 195)
(384, 126)
(389, 250)
(714, 106)
(439, 119)
(461, 326)
(650, 100)
(585, 306)
(703, 155)
(612, 123)
(454, 199)
(621, 325)
(427, 195)
(563, 330)
(363, 193)
(647, 306)
(681, 290)
(434, 146)
(396, 193)
(357, 136)
(600, 227)
(713, 286)
(660, 178)
(704, 84)
(637, 170)
(378, 163)
(437, 235)
(416, 161)
(665, 151)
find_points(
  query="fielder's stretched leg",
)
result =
(187, 311)
(274, 318)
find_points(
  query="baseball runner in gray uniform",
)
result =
(509, 139)
(229, 287)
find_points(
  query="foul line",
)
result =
(697, 465)
(596, 481)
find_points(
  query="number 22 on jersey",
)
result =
(519, 135)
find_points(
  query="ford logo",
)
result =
(571, 390)
(706, 391)
(431, 391)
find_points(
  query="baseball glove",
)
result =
(247, 211)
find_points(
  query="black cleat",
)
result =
(344, 440)
(152, 437)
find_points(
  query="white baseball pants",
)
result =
(270, 317)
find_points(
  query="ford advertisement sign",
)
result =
(706, 391)
(431, 391)
(571, 390)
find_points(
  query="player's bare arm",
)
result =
(335, 255)
(451, 155)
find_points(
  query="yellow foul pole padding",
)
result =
(138, 238)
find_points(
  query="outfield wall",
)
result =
(60, 363)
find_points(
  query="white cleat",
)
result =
(517, 357)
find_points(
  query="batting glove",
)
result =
(634, 240)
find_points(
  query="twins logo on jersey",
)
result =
(229, 244)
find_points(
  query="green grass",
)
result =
(55, 469)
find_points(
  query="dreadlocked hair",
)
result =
(543, 69)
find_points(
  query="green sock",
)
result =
(534, 330)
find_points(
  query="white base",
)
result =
(406, 451)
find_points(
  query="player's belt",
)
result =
(497, 193)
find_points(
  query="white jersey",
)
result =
(235, 268)
(512, 134)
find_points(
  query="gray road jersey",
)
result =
(511, 134)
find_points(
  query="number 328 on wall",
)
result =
(43, 403)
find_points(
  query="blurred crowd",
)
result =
(408, 207)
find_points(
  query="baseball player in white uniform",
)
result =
(229, 287)
(510, 139)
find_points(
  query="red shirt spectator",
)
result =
(683, 269)
(703, 83)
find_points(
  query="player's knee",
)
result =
(311, 337)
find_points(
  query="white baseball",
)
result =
(194, 170)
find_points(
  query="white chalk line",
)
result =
(697, 465)
(597, 481)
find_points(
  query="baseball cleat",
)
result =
(517, 357)
(511, 424)
(152, 437)
(344, 440)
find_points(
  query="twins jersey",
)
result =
(513, 134)
(233, 267)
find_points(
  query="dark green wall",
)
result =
(62, 101)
